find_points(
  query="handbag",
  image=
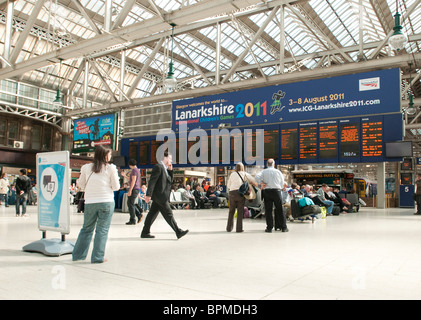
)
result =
(244, 189)
(253, 193)
(81, 203)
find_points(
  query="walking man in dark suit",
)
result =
(159, 189)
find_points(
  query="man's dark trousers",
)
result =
(131, 205)
(274, 197)
(166, 212)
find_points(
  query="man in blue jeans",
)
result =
(133, 193)
(321, 193)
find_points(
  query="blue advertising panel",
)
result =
(406, 196)
(93, 131)
(340, 119)
(369, 93)
(53, 180)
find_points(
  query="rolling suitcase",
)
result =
(295, 209)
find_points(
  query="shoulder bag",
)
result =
(246, 190)
(81, 203)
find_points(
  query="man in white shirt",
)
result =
(189, 196)
(273, 181)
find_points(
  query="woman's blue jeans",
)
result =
(99, 215)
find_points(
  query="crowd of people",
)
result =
(200, 196)
(20, 193)
(100, 179)
(275, 193)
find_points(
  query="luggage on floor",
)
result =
(303, 202)
(295, 209)
(246, 212)
(324, 212)
(336, 210)
(311, 209)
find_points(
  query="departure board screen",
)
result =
(154, 147)
(143, 153)
(350, 140)
(237, 147)
(271, 139)
(353, 139)
(133, 150)
(308, 141)
(372, 138)
(249, 147)
(289, 141)
(270, 144)
(328, 140)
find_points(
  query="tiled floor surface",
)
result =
(373, 254)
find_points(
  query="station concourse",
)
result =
(331, 90)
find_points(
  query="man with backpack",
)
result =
(23, 186)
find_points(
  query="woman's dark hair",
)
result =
(100, 158)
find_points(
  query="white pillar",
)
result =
(381, 185)
(9, 30)
(108, 15)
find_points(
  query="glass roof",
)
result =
(318, 33)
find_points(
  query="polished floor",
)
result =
(373, 254)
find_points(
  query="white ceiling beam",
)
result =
(103, 80)
(144, 32)
(145, 67)
(86, 16)
(246, 50)
(194, 65)
(29, 23)
(128, 5)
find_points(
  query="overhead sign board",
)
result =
(369, 93)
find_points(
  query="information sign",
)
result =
(53, 180)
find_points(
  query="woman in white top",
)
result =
(99, 180)
(4, 189)
(236, 200)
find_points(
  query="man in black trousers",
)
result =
(159, 189)
(273, 181)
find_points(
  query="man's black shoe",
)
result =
(182, 234)
(130, 223)
(147, 236)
